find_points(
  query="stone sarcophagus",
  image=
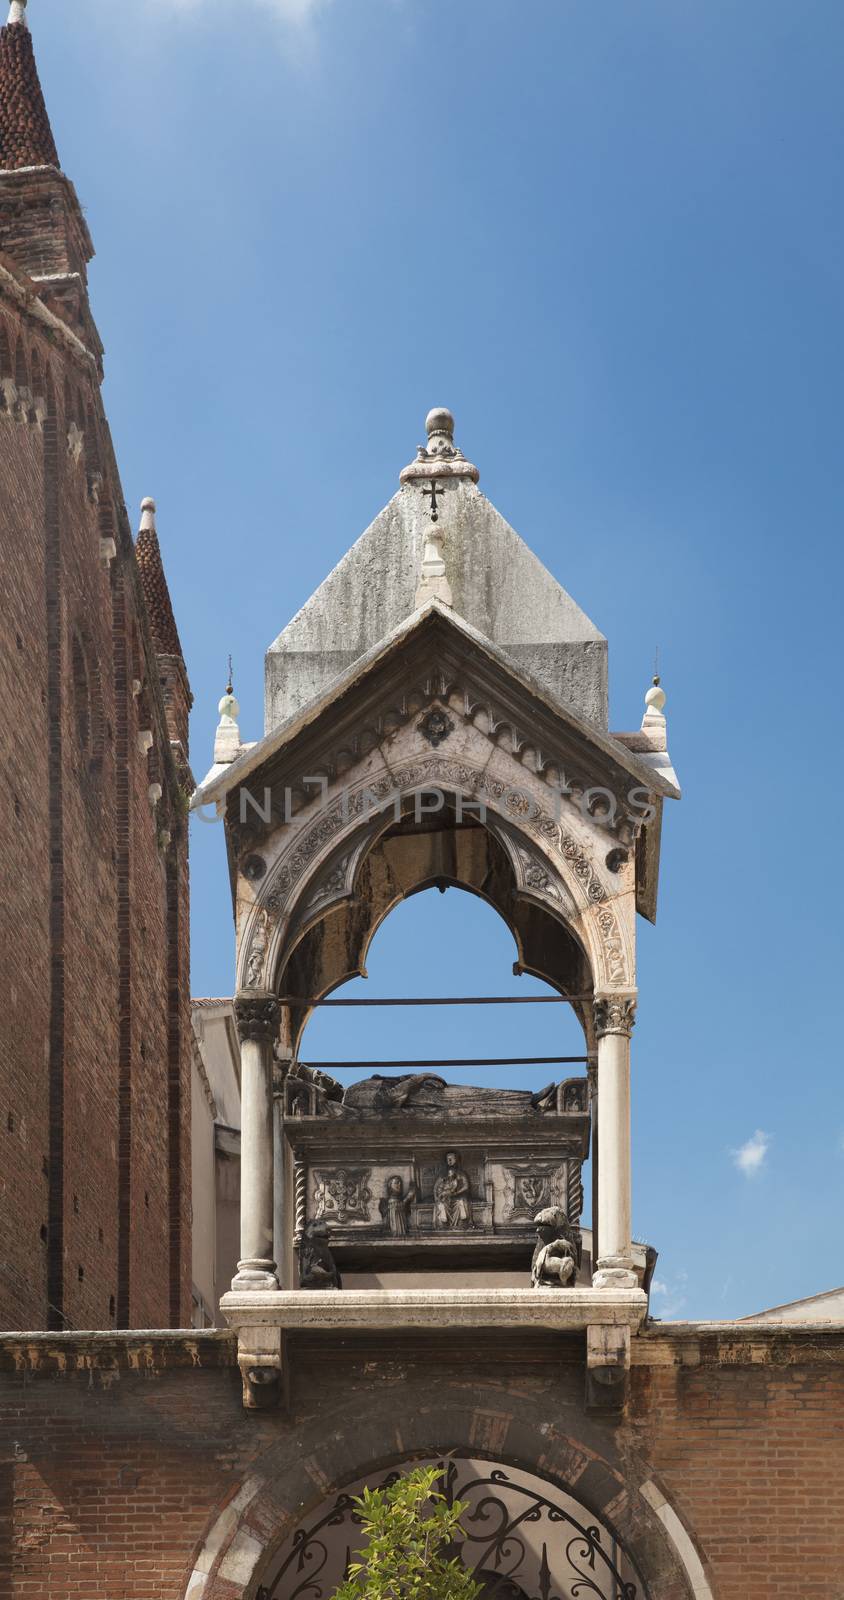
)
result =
(414, 1180)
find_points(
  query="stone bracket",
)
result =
(607, 1367)
(263, 1318)
(260, 1357)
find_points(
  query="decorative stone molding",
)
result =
(257, 1017)
(581, 887)
(300, 1197)
(464, 691)
(614, 1014)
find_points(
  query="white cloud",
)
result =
(668, 1298)
(750, 1156)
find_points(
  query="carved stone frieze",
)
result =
(621, 809)
(614, 1014)
(257, 1017)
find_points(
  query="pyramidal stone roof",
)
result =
(26, 138)
(439, 521)
(154, 585)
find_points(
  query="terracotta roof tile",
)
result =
(26, 138)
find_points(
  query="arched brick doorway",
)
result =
(525, 1539)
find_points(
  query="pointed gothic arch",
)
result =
(347, 897)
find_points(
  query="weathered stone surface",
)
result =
(529, 615)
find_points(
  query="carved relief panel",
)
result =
(437, 1194)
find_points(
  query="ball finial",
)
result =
(229, 706)
(655, 697)
(440, 420)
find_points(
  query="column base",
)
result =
(255, 1275)
(615, 1272)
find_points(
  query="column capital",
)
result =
(614, 1013)
(257, 1015)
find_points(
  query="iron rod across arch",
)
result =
(447, 1000)
(479, 1061)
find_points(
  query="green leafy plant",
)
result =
(410, 1532)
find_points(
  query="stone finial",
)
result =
(654, 706)
(147, 516)
(439, 458)
(17, 13)
(227, 738)
(655, 697)
(439, 426)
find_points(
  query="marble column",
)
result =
(257, 1016)
(614, 1018)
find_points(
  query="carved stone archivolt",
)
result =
(561, 872)
(614, 1014)
(257, 1017)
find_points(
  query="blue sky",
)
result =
(609, 236)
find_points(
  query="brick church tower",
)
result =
(94, 1021)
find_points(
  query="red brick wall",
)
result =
(87, 1147)
(121, 1455)
(24, 866)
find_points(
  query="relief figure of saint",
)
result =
(395, 1206)
(452, 1195)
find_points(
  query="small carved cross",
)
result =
(432, 492)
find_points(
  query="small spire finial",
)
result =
(655, 699)
(440, 457)
(17, 13)
(147, 516)
(227, 739)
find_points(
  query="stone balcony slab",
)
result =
(561, 1310)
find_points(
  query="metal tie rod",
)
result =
(448, 1000)
(479, 1061)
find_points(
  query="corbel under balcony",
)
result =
(607, 1317)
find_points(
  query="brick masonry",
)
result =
(130, 1463)
(94, 972)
